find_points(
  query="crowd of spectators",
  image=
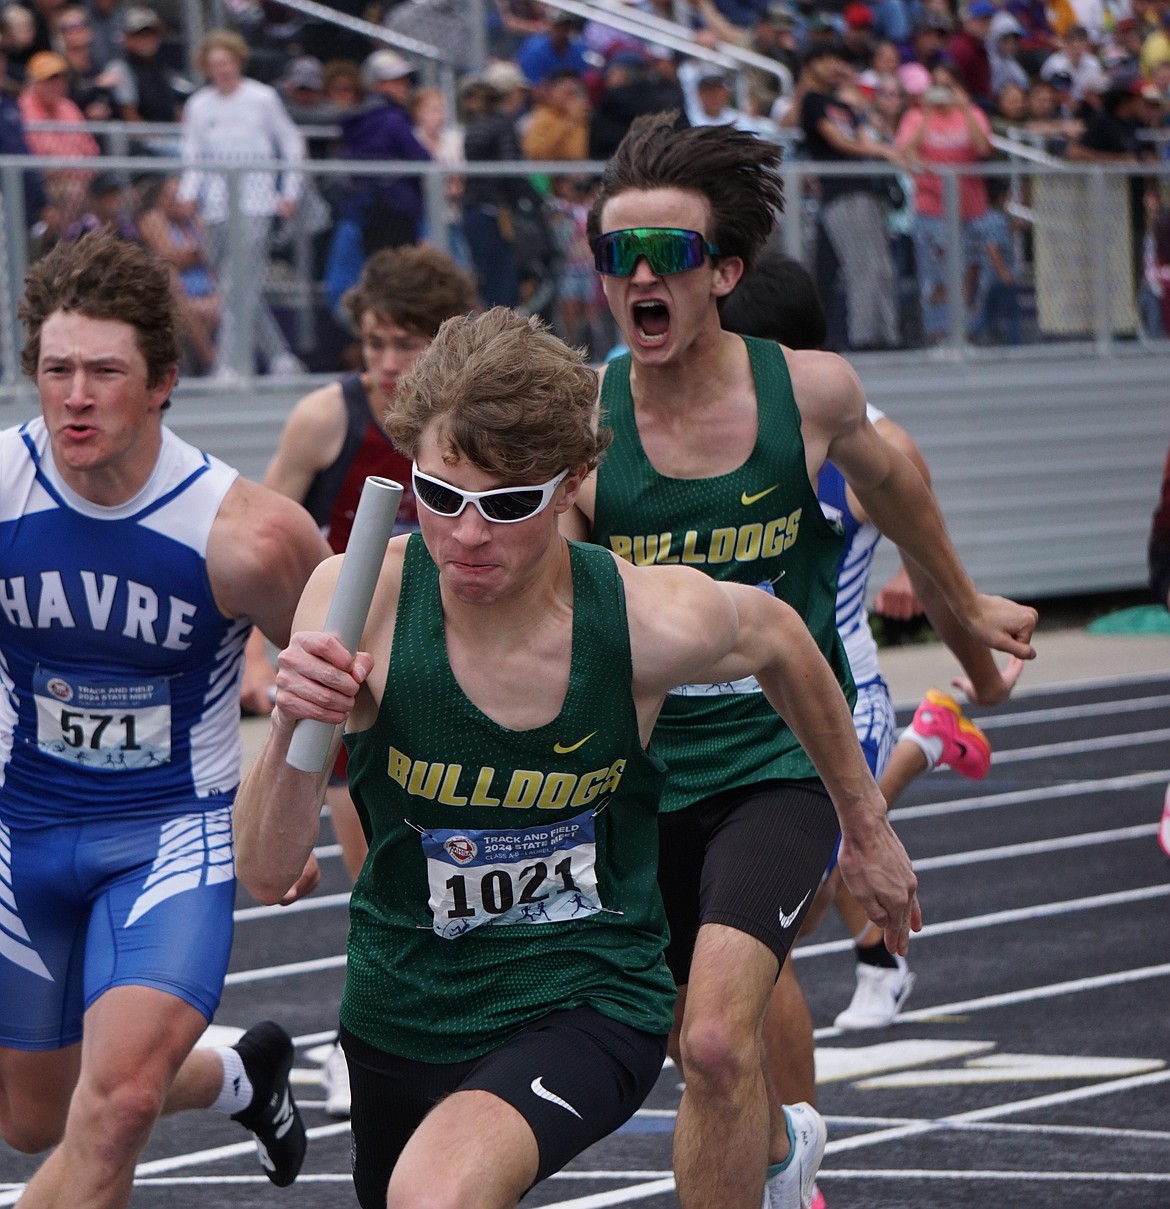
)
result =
(905, 86)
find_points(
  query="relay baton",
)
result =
(373, 524)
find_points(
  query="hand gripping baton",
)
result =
(372, 525)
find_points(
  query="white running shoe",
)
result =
(793, 1187)
(880, 995)
(335, 1083)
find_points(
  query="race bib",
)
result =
(534, 875)
(103, 725)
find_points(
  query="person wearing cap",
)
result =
(967, 51)
(44, 99)
(302, 86)
(238, 119)
(388, 210)
(145, 89)
(489, 201)
(857, 35)
(710, 100)
(553, 50)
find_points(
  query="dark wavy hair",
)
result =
(103, 277)
(736, 172)
(414, 287)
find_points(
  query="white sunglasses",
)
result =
(501, 505)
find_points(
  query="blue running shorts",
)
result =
(89, 906)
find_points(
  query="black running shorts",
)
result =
(749, 858)
(574, 1076)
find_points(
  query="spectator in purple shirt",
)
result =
(388, 209)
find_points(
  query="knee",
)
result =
(440, 1190)
(121, 1114)
(31, 1125)
(30, 1136)
(718, 1053)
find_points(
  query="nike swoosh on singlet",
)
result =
(746, 499)
(539, 1089)
(786, 921)
(563, 749)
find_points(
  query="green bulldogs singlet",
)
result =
(511, 873)
(760, 524)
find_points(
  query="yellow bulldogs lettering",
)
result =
(525, 788)
(743, 543)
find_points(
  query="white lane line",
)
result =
(1087, 839)
(618, 1196)
(1067, 713)
(1077, 1131)
(1076, 747)
(241, 977)
(826, 1176)
(995, 918)
(312, 903)
(991, 1112)
(1021, 797)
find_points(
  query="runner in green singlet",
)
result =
(506, 985)
(720, 440)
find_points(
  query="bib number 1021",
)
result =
(497, 890)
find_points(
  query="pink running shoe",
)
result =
(818, 1199)
(965, 746)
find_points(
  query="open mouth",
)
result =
(652, 322)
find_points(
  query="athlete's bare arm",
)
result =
(983, 682)
(310, 440)
(894, 496)
(260, 554)
(277, 811)
(748, 632)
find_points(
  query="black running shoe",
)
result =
(267, 1053)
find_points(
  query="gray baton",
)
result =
(373, 524)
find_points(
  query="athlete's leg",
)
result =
(35, 1089)
(473, 1151)
(135, 1040)
(791, 1053)
(721, 1136)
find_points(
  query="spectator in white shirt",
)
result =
(238, 119)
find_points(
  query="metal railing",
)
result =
(1080, 286)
